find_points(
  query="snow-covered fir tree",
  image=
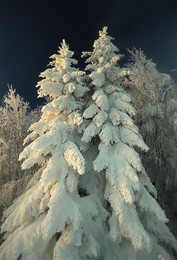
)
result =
(94, 199)
(52, 206)
(136, 223)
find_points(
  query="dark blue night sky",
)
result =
(31, 32)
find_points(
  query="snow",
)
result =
(114, 116)
(98, 77)
(129, 154)
(129, 137)
(101, 100)
(91, 131)
(91, 111)
(76, 118)
(110, 88)
(100, 118)
(73, 157)
(124, 107)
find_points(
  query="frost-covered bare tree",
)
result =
(155, 100)
(94, 199)
(15, 119)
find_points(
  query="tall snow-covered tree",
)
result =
(136, 223)
(94, 199)
(155, 99)
(15, 119)
(48, 219)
